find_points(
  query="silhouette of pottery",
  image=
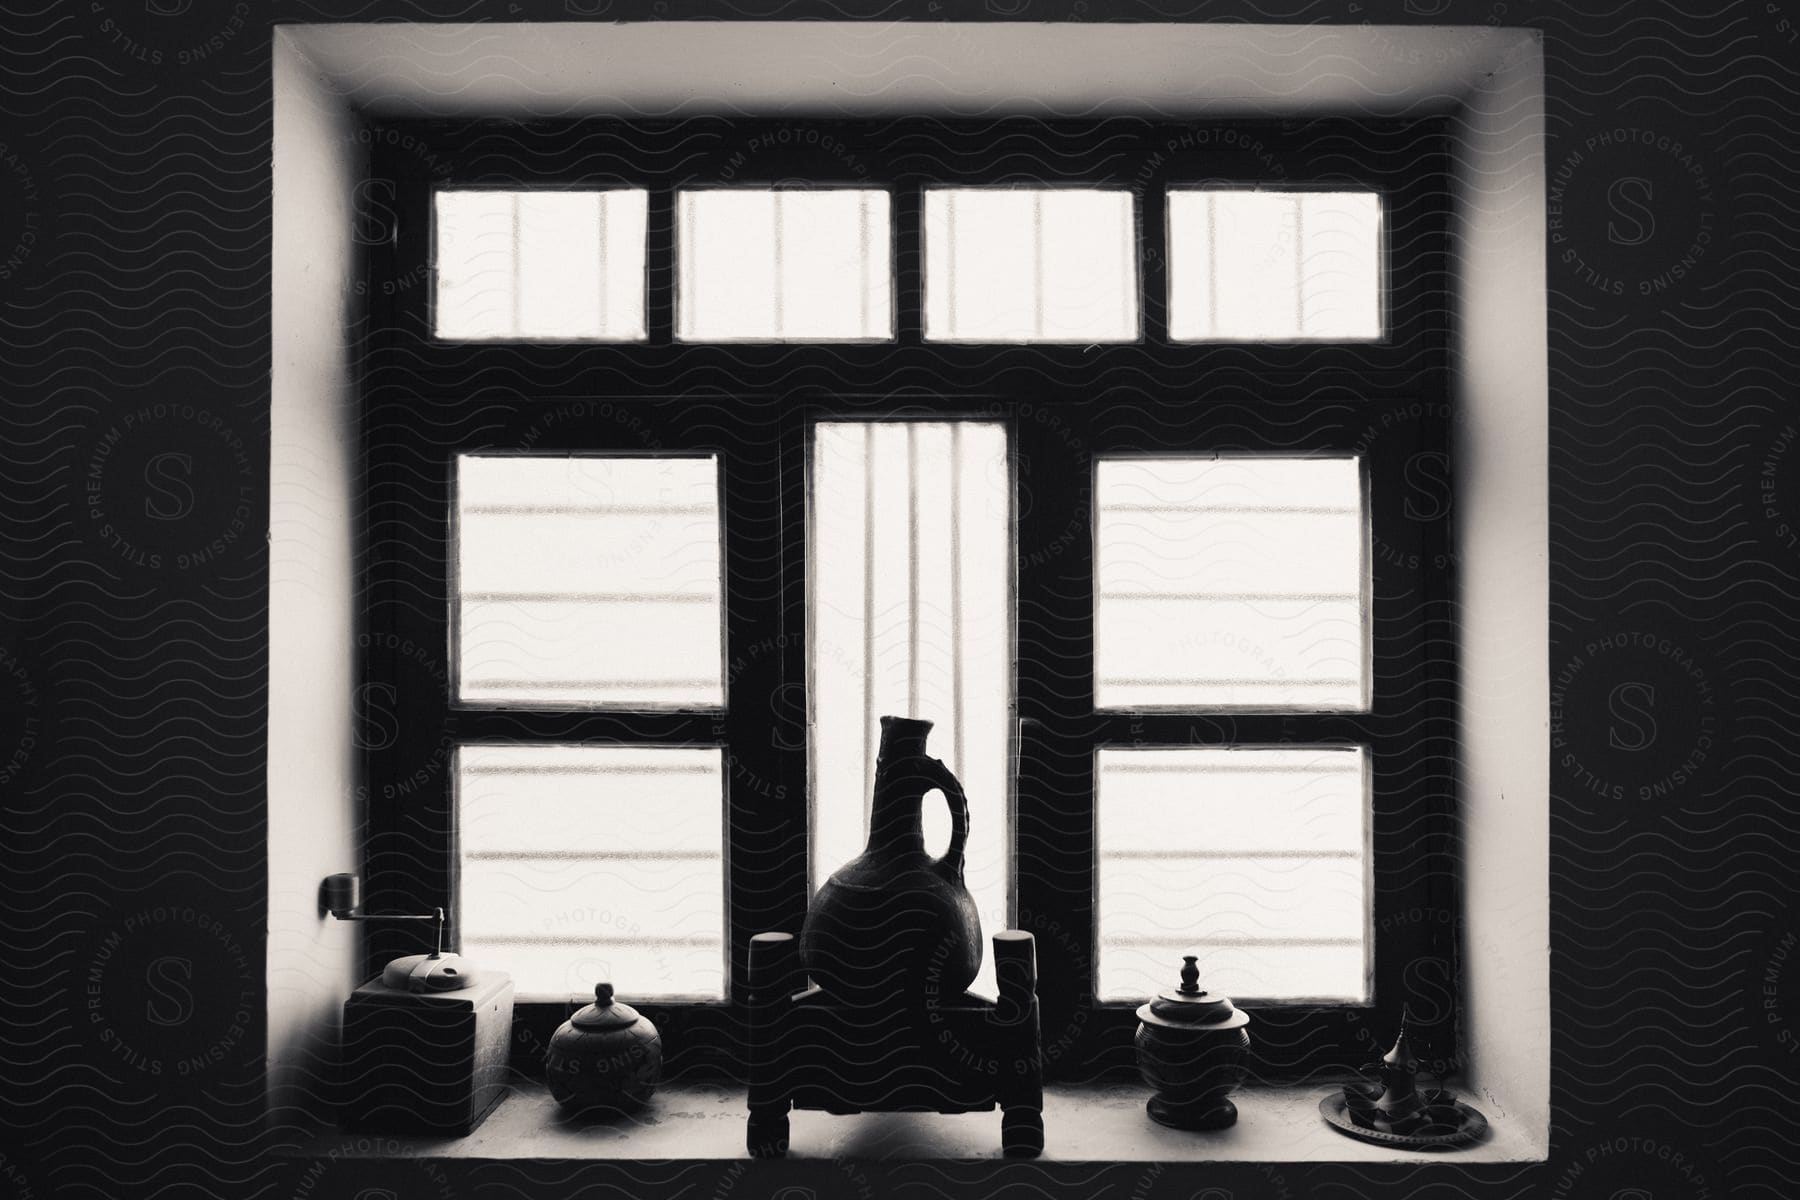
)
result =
(894, 926)
(606, 1059)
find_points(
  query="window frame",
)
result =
(424, 400)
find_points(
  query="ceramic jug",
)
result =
(895, 925)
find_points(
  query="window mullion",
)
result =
(660, 255)
(1153, 259)
(1054, 822)
(909, 262)
(765, 803)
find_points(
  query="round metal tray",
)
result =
(1332, 1107)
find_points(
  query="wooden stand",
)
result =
(962, 1054)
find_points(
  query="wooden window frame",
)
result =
(425, 400)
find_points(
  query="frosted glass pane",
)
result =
(589, 581)
(1274, 266)
(558, 265)
(584, 864)
(1017, 265)
(912, 616)
(1340, 279)
(477, 285)
(785, 264)
(1230, 583)
(1255, 860)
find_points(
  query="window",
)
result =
(583, 863)
(714, 440)
(1255, 858)
(777, 264)
(1030, 265)
(1230, 583)
(588, 581)
(544, 264)
(1274, 265)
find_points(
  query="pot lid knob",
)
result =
(603, 1013)
(1190, 1005)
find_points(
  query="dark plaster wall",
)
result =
(134, 274)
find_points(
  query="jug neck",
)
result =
(900, 783)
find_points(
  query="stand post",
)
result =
(1021, 1086)
(774, 978)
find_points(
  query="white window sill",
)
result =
(1275, 1125)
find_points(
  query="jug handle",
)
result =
(959, 817)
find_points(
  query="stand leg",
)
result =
(766, 1136)
(1022, 1133)
(774, 974)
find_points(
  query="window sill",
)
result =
(1081, 1124)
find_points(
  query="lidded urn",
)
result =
(605, 1059)
(1191, 1047)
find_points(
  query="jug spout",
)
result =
(904, 735)
(901, 780)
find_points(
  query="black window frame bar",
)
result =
(426, 400)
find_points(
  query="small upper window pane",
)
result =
(1019, 265)
(1274, 266)
(1230, 583)
(550, 265)
(589, 581)
(786, 264)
